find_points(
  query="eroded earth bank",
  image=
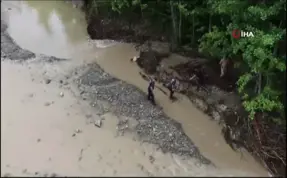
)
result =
(76, 107)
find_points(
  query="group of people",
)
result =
(172, 85)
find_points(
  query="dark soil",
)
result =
(103, 28)
(150, 66)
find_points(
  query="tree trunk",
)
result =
(259, 83)
(94, 8)
(179, 27)
(193, 29)
(174, 27)
(142, 16)
(257, 127)
(210, 23)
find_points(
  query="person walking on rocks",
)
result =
(171, 86)
(150, 95)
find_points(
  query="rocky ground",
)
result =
(11, 50)
(125, 100)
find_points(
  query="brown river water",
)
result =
(56, 28)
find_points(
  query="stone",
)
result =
(47, 104)
(135, 58)
(201, 105)
(98, 123)
(47, 81)
(222, 107)
(78, 131)
(215, 116)
(62, 94)
(151, 159)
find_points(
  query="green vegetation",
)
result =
(207, 26)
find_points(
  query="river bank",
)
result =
(217, 97)
(96, 95)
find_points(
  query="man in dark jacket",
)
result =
(150, 95)
(171, 87)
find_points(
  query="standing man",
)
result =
(171, 87)
(150, 95)
(223, 66)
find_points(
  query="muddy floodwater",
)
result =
(43, 125)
